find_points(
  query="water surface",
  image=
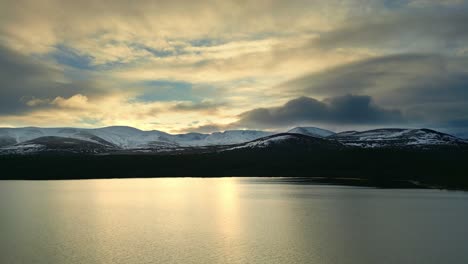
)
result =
(227, 220)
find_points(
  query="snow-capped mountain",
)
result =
(20, 135)
(396, 137)
(51, 144)
(264, 142)
(311, 131)
(288, 140)
(231, 137)
(129, 137)
(132, 140)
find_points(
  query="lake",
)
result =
(228, 220)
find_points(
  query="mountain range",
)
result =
(126, 140)
(386, 157)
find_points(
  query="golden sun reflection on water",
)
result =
(174, 207)
(227, 204)
(225, 220)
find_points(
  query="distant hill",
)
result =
(396, 137)
(384, 157)
(131, 140)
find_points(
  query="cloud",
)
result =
(370, 74)
(427, 87)
(32, 26)
(162, 64)
(75, 101)
(347, 109)
(26, 82)
(423, 30)
(437, 3)
(37, 102)
(203, 106)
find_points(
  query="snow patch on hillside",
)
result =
(396, 137)
(311, 131)
(22, 149)
(263, 143)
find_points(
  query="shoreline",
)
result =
(292, 180)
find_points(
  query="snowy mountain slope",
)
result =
(129, 137)
(233, 137)
(132, 139)
(264, 142)
(51, 144)
(189, 137)
(288, 140)
(7, 141)
(142, 139)
(19, 135)
(311, 131)
(396, 137)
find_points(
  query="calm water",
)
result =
(227, 220)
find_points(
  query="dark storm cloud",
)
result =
(369, 74)
(24, 79)
(424, 86)
(346, 109)
(422, 28)
(458, 123)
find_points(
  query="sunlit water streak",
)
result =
(227, 220)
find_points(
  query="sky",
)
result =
(202, 66)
